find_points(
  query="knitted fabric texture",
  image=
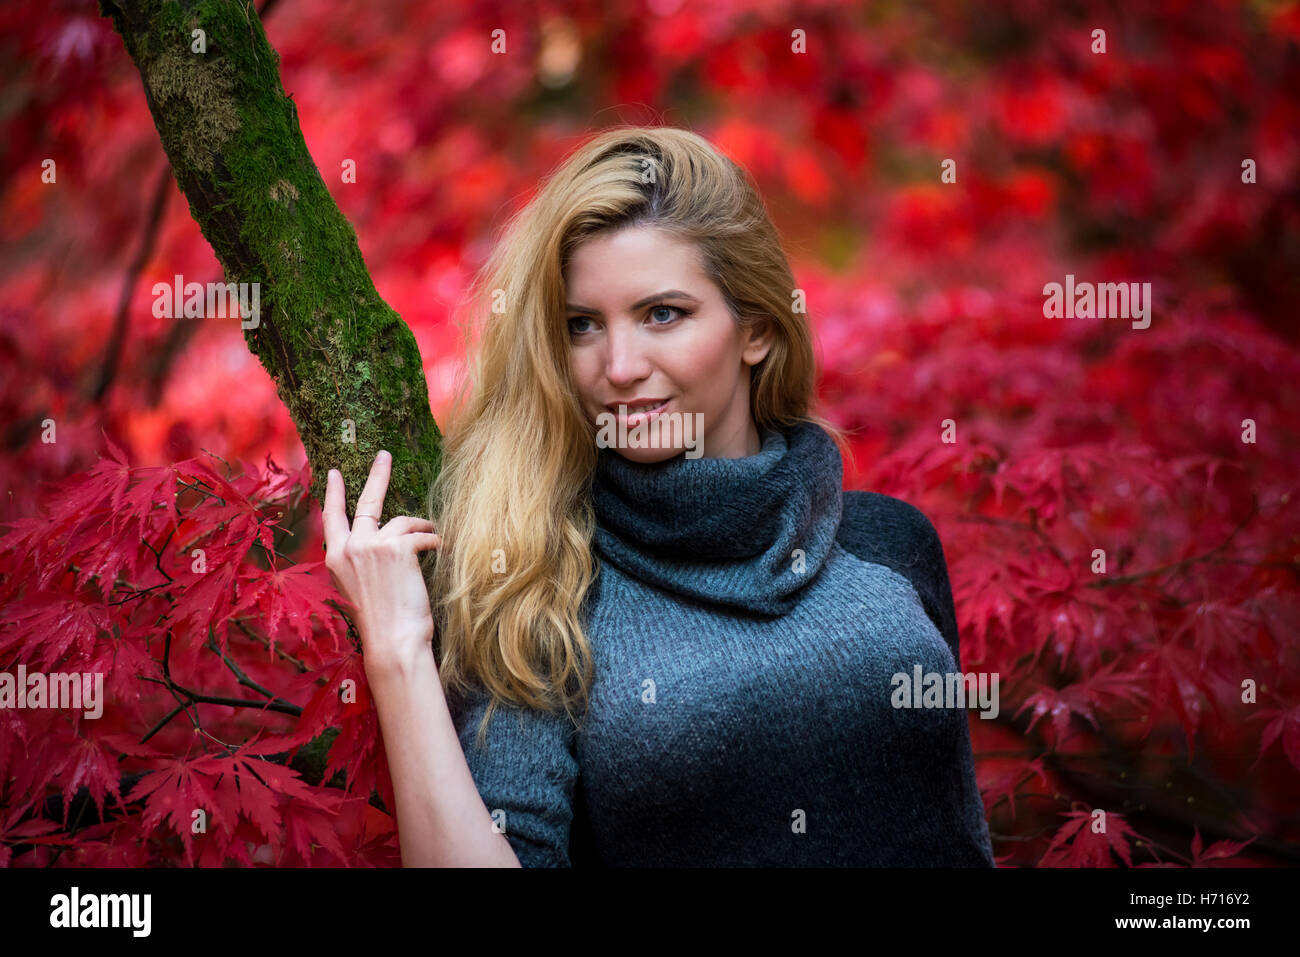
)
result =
(746, 624)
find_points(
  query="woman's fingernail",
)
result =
(384, 455)
(333, 474)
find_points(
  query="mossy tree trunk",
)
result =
(345, 364)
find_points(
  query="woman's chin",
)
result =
(648, 456)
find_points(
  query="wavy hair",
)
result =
(512, 500)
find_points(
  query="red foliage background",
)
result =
(1122, 691)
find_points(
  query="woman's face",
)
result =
(646, 323)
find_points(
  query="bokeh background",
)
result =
(1122, 690)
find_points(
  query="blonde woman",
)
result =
(661, 633)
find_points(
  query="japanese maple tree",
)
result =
(1115, 503)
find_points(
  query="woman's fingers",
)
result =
(422, 541)
(371, 502)
(333, 516)
(403, 524)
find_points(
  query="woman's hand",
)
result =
(377, 571)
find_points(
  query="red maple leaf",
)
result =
(1078, 844)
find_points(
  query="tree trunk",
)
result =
(345, 364)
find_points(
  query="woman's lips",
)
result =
(633, 419)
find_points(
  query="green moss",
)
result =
(336, 350)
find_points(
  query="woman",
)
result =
(669, 648)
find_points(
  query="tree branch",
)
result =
(345, 364)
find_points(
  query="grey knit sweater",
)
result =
(746, 622)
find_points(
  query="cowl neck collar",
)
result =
(746, 533)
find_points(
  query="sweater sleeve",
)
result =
(891, 532)
(525, 773)
(894, 533)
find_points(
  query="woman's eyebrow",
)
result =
(666, 294)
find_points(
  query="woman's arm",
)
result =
(442, 820)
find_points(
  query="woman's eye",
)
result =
(653, 309)
(666, 309)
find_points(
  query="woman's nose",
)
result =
(625, 358)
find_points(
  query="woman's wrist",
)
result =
(401, 659)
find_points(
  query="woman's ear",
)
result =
(761, 332)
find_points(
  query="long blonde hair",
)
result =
(512, 500)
